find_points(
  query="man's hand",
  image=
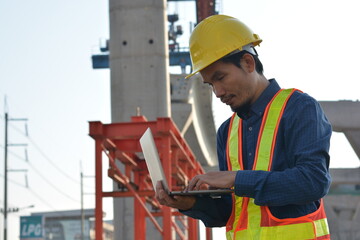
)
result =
(219, 179)
(179, 202)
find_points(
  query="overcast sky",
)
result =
(47, 77)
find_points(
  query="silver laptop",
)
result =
(157, 173)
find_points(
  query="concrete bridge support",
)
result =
(139, 79)
(343, 202)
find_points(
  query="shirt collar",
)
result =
(260, 104)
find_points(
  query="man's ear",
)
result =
(247, 63)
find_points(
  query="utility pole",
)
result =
(82, 201)
(82, 206)
(6, 168)
(5, 176)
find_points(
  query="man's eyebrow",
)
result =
(216, 74)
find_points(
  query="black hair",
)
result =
(235, 59)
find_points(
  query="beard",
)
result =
(243, 108)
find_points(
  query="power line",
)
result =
(14, 154)
(17, 129)
(44, 178)
(33, 192)
(52, 185)
(52, 162)
(33, 167)
(14, 182)
(21, 158)
(7, 119)
(41, 199)
(46, 157)
(43, 154)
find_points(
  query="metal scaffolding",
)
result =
(120, 143)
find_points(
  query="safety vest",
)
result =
(249, 221)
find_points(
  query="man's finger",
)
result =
(192, 183)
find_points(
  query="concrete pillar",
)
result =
(139, 78)
(139, 59)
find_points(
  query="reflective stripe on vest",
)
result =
(249, 221)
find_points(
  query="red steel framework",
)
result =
(120, 143)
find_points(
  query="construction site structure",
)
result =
(120, 143)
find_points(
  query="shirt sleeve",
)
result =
(306, 138)
(214, 212)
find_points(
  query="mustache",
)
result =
(226, 98)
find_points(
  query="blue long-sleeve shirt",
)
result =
(299, 176)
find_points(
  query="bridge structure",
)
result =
(343, 202)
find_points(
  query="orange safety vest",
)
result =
(249, 221)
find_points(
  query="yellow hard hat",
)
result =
(217, 36)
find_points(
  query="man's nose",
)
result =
(218, 90)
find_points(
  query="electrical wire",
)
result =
(41, 199)
(14, 154)
(37, 171)
(48, 158)
(46, 180)
(54, 165)
(32, 191)
(13, 182)
(51, 162)
(52, 185)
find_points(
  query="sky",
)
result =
(46, 76)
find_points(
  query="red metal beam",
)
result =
(98, 191)
(120, 141)
(193, 228)
(116, 178)
(160, 214)
(139, 215)
(134, 193)
(178, 230)
(166, 163)
(209, 235)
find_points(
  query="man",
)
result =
(273, 151)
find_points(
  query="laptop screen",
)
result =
(152, 159)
